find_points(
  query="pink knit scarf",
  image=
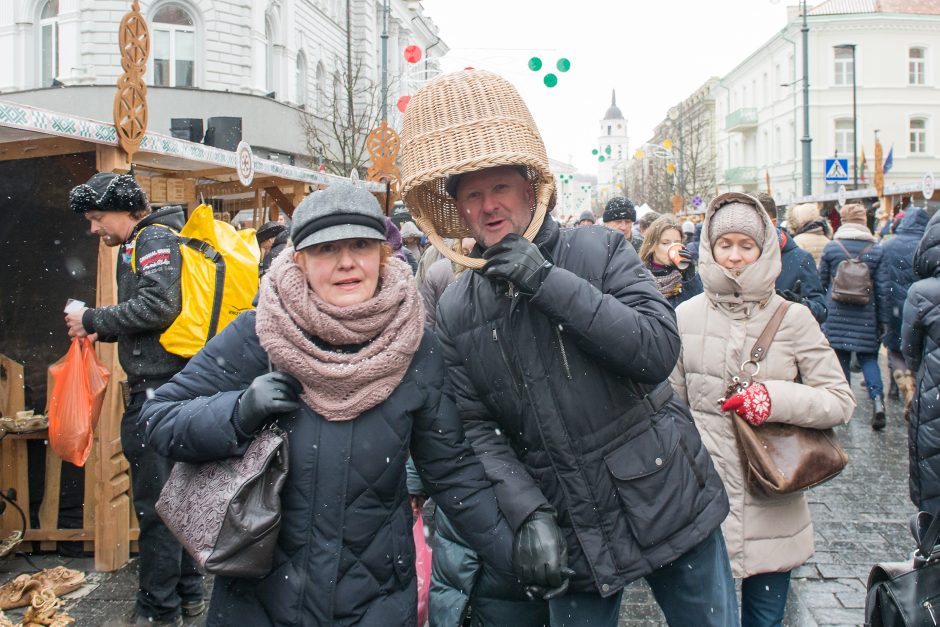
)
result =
(340, 385)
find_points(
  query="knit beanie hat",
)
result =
(587, 215)
(619, 208)
(737, 217)
(688, 227)
(854, 214)
(269, 230)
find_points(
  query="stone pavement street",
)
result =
(860, 519)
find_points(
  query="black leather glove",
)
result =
(517, 260)
(689, 271)
(540, 556)
(270, 394)
(883, 329)
(793, 295)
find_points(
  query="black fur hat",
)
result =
(108, 192)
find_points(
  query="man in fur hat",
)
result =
(559, 349)
(149, 300)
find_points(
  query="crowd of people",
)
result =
(554, 391)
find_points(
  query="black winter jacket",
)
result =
(563, 397)
(798, 265)
(897, 271)
(920, 343)
(149, 300)
(345, 554)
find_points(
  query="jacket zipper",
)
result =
(564, 354)
(929, 606)
(502, 351)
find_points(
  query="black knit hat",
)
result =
(619, 208)
(269, 230)
(106, 191)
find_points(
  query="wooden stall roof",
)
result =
(27, 132)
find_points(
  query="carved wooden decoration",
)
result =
(383, 144)
(130, 101)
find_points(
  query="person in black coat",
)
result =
(798, 280)
(856, 328)
(336, 355)
(920, 343)
(897, 275)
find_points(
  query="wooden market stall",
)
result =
(50, 256)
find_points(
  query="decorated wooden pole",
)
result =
(130, 101)
(383, 145)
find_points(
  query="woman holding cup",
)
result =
(669, 261)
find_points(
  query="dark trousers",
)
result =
(764, 599)
(870, 370)
(167, 574)
(696, 589)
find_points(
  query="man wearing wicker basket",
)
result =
(559, 348)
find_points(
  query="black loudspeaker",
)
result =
(223, 133)
(189, 129)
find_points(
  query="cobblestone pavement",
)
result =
(860, 519)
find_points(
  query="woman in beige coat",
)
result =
(809, 230)
(739, 262)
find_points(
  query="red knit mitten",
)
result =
(753, 404)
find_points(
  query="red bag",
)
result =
(423, 568)
(79, 382)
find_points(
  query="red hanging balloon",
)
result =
(412, 54)
(403, 103)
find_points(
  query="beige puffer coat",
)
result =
(718, 328)
(814, 239)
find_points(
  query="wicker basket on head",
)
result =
(463, 122)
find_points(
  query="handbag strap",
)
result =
(929, 540)
(762, 345)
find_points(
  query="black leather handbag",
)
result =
(907, 594)
(227, 513)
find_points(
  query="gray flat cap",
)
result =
(341, 211)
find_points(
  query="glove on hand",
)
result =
(517, 260)
(272, 393)
(689, 271)
(883, 329)
(794, 295)
(540, 556)
(753, 404)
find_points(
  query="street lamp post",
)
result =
(806, 140)
(854, 117)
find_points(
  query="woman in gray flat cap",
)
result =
(356, 383)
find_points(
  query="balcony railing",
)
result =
(741, 120)
(741, 176)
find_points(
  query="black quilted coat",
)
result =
(563, 398)
(920, 343)
(345, 554)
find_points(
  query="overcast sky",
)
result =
(653, 52)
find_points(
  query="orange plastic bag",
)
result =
(79, 384)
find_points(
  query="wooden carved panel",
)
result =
(130, 101)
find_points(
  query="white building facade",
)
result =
(896, 71)
(262, 60)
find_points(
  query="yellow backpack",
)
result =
(219, 280)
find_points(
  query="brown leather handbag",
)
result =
(781, 458)
(227, 513)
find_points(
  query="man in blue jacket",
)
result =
(799, 279)
(896, 274)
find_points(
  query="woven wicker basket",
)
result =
(462, 122)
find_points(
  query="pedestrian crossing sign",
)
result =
(837, 170)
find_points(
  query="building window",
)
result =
(49, 42)
(322, 90)
(778, 145)
(915, 66)
(844, 66)
(269, 55)
(844, 131)
(918, 136)
(174, 47)
(301, 79)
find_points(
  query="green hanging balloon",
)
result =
(550, 80)
(601, 158)
(535, 64)
(607, 150)
(594, 152)
(563, 65)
